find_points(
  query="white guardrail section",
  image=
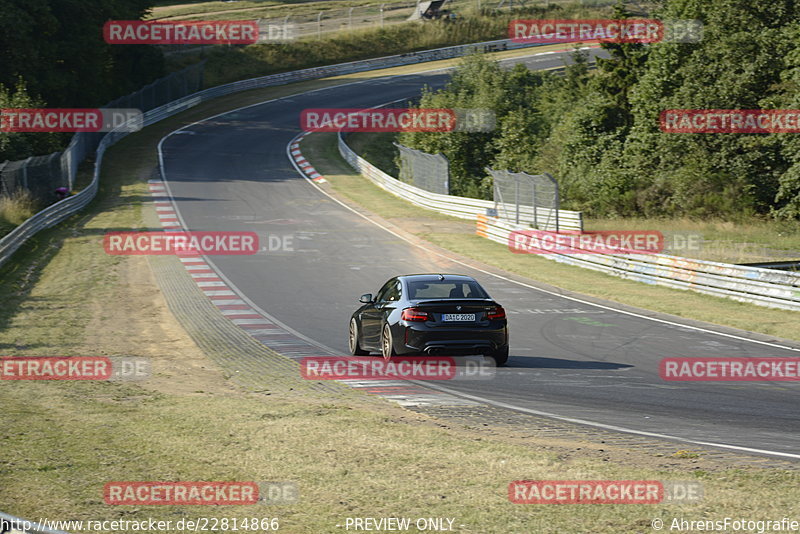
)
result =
(461, 207)
(59, 211)
(766, 287)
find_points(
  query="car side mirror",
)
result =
(366, 298)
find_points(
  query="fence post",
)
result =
(558, 203)
(3, 189)
(516, 196)
(382, 6)
(495, 192)
(558, 199)
(25, 173)
(50, 168)
(535, 216)
(447, 177)
(350, 19)
(319, 25)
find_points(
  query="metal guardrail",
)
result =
(765, 287)
(748, 284)
(461, 207)
(59, 211)
(40, 176)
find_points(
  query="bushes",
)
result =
(598, 132)
(15, 209)
(227, 64)
(16, 146)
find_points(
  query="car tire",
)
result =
(500, 356)
(352, 340)
(387, 343)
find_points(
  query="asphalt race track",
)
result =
(232, 173)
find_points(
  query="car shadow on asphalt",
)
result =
(531, 362)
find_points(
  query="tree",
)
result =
(14, 145)
(57, 47)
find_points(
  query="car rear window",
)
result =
(445, 289)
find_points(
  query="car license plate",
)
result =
(462, 317)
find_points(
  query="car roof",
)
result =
(434, 277)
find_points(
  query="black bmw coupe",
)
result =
(434, 314)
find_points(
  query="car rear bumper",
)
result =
(451, 341)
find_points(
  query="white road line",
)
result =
(295, 141)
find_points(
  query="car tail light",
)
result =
(496, 313)
(415, 315)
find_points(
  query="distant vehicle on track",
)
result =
(433, 314)
(432, 10)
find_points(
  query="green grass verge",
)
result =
(377, 148)
(459, 236)
(397, 10)
(263, 9)
(756, 240)
(227, 64)
(15, 209)
(63, 442)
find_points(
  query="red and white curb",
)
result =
(302, 163)
(236, 309)
(226, 299)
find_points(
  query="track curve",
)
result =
(230, 172)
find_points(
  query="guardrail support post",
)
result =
(557, 195)
(25, 173)
(3, 189)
